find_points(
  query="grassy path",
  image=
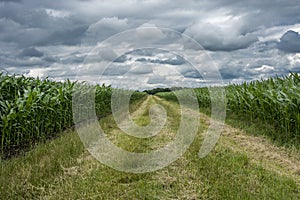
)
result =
(240, 167)
(262, 151)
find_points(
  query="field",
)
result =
(274, 103)
(33, 110)
(257, 156)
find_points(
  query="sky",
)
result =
(75, 39)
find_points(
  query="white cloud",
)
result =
(276, 32)
(224, 35)
(57, 13)
(242, 38)
(264, 69)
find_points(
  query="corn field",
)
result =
(32, 109)
(275, 101)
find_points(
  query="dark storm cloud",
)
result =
(192, 74)
(28, 26)
(121, 59)
(73, 59)
(247, 39)
(50, 59)
(296, 69)
(142, 60)
(70, 36)
(290, 42)
(230, 73)
(31, 52)
(227, 73)
(116, 70)
(70, 22)
(13, 1)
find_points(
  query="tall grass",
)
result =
(275, 101)
(33, 109)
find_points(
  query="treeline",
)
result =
(157, 90)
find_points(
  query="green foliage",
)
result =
(157, 90)
(32, 109)
(137, 96)
(63, 169)
(170, 96)
(275, 101)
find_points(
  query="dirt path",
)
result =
(142, 107)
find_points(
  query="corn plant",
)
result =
(275, 101)
(32, 109)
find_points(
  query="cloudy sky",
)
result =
(245, 40)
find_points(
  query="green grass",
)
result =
(264, 129)
(139, 145)
(63, 169)
(272, 105)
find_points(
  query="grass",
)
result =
(260, 129)
(63, 169)
(263, 129)
(263, 107)
(140, 145)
